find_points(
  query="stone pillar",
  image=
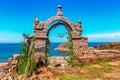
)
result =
(40, 45)
(40, 38)
(80, 45)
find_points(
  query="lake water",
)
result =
(8, 49)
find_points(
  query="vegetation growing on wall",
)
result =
(25, 63)
(47, 54)
(70, 46)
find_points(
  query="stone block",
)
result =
(14, 62)
(117, 55)
(13, 69)
(16, 56)
(5, 67)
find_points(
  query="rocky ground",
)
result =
(60, 70)
(95, 64)
(102, 70)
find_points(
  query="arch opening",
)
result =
(57, 23)
(57, 33)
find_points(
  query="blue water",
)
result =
(55, 52)
(8, 49)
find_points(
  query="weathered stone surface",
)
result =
(39, 59)
(80, 44)
(5, 67)
(58, 62)
(10, 61)
(94, 55)
(117, 55)
(14, 62)
(13, 70)
(16, 56)
(34, 77)
(2, 74)
(3, 64)
(111, 46)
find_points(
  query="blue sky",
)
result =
(100, 18)
(58, 34)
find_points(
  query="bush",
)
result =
(22, 63)
(25, 63)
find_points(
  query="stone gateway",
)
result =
(41, 31)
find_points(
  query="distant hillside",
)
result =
(112, 45)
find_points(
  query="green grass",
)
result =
(89, 68)
(105, 66)
(72, 77)
(90, 72)
(103, 61)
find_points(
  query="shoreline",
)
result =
(4, 61)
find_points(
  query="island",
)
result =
(63, 47)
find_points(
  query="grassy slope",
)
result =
(100, 71)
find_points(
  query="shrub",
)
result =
(25, 63)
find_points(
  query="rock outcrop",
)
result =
(63, 47)
(9, 68)
(94, 54)
(112, 46)
(106, 51)
(57, 61)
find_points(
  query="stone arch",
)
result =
(55, 24)
(41, 39)
(55, 18)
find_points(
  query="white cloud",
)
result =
(107, 37)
